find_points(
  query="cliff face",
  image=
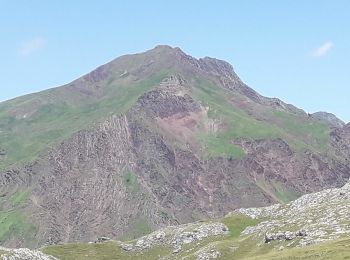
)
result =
(175, 140)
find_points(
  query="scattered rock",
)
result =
(207, 253)
(24, 254)
(127, 247)
(288, 235)
(177, 236)
(177, 249)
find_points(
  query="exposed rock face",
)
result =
(91, 176)
(167, 100)
(85, 193)
(341, 141)
(312, 218)
(275, 160)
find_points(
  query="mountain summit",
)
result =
(153, 139)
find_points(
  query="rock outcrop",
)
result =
(312, 218)
(179, 236)
(23, 254)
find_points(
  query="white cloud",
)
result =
(31, 46)
(323, 50)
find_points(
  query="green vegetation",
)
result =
(106, 251)
(282, 193)
(335, 250)
(314, 134)
(276, 190)
(233, 122)
(19, 198)
(131, 182)
(237, 223)
(139, 228)
(14, 223)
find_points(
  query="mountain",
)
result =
(314, 226)
(150, 140)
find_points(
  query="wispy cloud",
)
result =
(29, 47)
(323, 50)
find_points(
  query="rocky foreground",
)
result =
(313, 218)
(23, 254)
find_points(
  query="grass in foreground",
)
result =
(335, 250)
(105, 251)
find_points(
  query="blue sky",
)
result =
(296, 50)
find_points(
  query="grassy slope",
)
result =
(104, 251)
(335, 250)
(299, 132)
(13, 222)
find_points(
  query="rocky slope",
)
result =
(23, 253)
(151, 140)
(313, 218)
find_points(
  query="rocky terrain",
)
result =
(313, 218)
(177, 237)
(23, 253)
(308, 227)
(151, 140)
